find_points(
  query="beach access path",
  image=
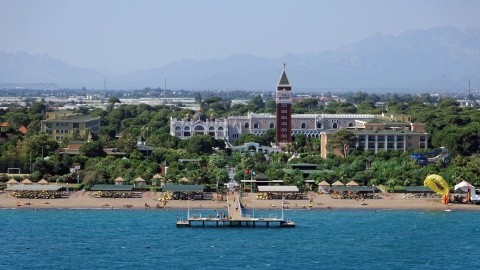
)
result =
(234, 206)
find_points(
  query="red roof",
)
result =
(4, 124)
(23, 130)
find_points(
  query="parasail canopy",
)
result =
(437, 184)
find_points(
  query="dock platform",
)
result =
(235, 218)
(242, 222)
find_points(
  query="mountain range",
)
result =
(441, 58)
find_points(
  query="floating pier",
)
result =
(235, 218)
(244, 222)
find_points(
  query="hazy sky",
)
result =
(122, 36)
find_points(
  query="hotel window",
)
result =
(272, 125)
(246, 125)
(319, 125)
(304, 126)
(335, 125)
(255, 125)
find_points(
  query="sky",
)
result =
(120, 36)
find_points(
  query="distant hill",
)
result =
(22, 68)
(441, 58)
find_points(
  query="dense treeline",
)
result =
(449, 125)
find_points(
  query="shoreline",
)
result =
(150, 202)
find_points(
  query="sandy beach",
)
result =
(83, 200)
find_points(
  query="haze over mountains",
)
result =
(441, 58)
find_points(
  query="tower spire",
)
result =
(283, 78)
(283, 107)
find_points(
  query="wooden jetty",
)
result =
(234, 218)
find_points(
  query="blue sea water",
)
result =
(340, 239)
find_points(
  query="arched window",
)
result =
(211, 128)
(246, 125)
(255, 125)
(335, 125)
(304, 126)
(350, 125)
(272, 125)
(319, 125)
(177, 128)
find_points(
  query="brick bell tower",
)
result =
(283, 102)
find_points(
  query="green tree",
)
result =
(342, 140)
(111, 102)
(92, 149)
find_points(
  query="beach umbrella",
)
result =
(26, 182)
(324, 183)
(158, 178)
(139, 182)
(42, 182)
(338, 184)
(119, 180)
(352, 184)
(184, 180)
(139, 179)
(12, 182)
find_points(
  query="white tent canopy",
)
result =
(464, 186)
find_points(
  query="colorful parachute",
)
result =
(438, 185)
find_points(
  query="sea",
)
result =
(322, 239)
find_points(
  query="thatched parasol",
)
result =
(119, 180)
(158, 176)
(338, 184)
(139, 179)
(12, 182)
(184, 180)
(352, 184)
(26, 182)
(324, 183)
(42, 182)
